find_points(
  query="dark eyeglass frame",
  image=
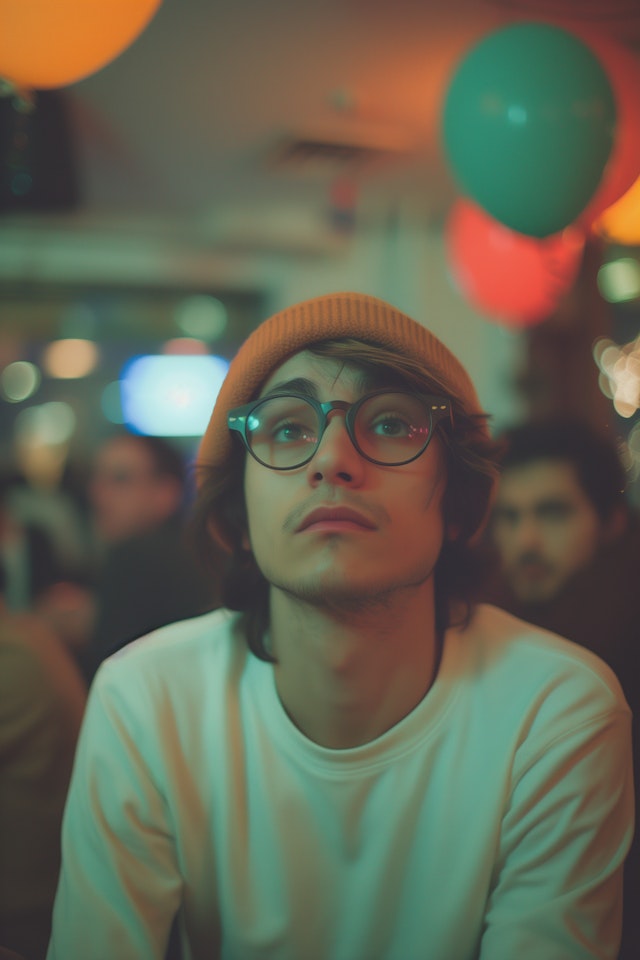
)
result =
(438, 408)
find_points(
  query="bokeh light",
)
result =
(619, 374)
(185, 346)
(46, 424)
(202, 316)
(171, 396)
(70, 359)
(619, 280)
(42, 437)
(20, 380)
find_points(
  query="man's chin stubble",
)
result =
(340, 599)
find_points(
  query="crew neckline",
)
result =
(410, 732)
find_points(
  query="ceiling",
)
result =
(245, 127)
(234, 137)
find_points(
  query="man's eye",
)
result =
(390, 427)
(506, 518)
(289, 432)
(554, 512)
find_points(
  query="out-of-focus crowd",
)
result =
(82, 572)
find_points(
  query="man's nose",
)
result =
(336, 459)
(527, 531)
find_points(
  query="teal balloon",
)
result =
(528, 124)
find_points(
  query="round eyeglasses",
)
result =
(387, 427)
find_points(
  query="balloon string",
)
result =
(24, 100)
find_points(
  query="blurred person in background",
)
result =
(147, 576)
(56, 510)
(566, 542)
(27, 550)
(42, 701)
(46, 559)
(566, 548)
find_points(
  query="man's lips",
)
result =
(532, 568)
(338, 517)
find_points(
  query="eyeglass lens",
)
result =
(390, 428)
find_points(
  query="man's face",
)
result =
(545, 528)
(395, 534)
(127, 496)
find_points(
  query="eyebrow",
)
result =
(364, 382)
(538, 506)
(297, 385)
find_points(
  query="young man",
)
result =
(351, 761)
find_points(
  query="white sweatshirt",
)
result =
(491, 822)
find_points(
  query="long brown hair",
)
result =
(219, 519)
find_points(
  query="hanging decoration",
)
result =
(528, 125)
(512, 278)
(52, 43)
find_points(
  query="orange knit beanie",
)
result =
(323, 318)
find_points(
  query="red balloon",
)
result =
(622, 67)
(515, 279)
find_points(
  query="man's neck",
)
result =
(346, 677)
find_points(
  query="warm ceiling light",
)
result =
(70, 359)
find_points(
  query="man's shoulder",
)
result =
(527, 657)
(178, 650)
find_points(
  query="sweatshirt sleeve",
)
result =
(556, 891)
(120, 886)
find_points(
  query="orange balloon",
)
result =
(50, 43)
(620, 223)
(514, 279)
